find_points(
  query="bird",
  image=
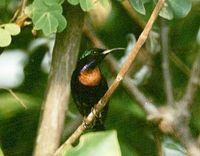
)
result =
(88, 85)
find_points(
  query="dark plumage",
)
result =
(88, 84)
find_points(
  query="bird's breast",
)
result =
(90, 77)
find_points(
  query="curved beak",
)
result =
(111, 50)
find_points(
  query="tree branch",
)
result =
(193, 83)
(182, 131)
(165, 62)
(102, 102)
(182, 114)
(127, 83)
(166, 115)
(55, 104)
(22, 8)
(19, 15)
(177, 61)
(133, 14)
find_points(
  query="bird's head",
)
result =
(91, 58)
(87, 67)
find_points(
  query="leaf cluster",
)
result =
(6, 31)
(86, 5)
(47, 16)
(171, 9)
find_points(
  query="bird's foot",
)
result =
(85, 124)
(94, 112)
(97, 116)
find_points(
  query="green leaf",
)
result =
(50, 2)
(96, 143)
(47, 16)
(175, 8)
(86, 5)
(73, 2)
(180, 7)
(1, 152)
(45, 21)
(172, 148)
(105, 3)
(166, 12)
(138, 5)
(29, 10)
(5, 38)
(62, 22)
(12, 28)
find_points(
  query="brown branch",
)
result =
(142, 23)
(19, 16)
(166, 116)
(158, 143)
(182, 114)
(128, 84)
(165, 62)
(22, 8)
(102, 102)
(182, 131)
(55, 104)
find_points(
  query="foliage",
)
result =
(1, 153)
(171, 9)
(170, 147)
(135, 135)
(6, 30)
(96, 143)
(47, 16)
(86, 5)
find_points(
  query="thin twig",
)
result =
(102, 102)
(177, 61)
(142, 23)
(193, 83)
(165, 62)
(127, 83)
(148, 107)
(20, 17)
(182, 131)
(133, 14)
(15, 96)
(22, 8)
(158, 142)
(181, 125)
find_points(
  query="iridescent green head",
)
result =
(92, 57)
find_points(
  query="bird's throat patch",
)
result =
(90, 77)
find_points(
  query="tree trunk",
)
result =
(57, 95)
